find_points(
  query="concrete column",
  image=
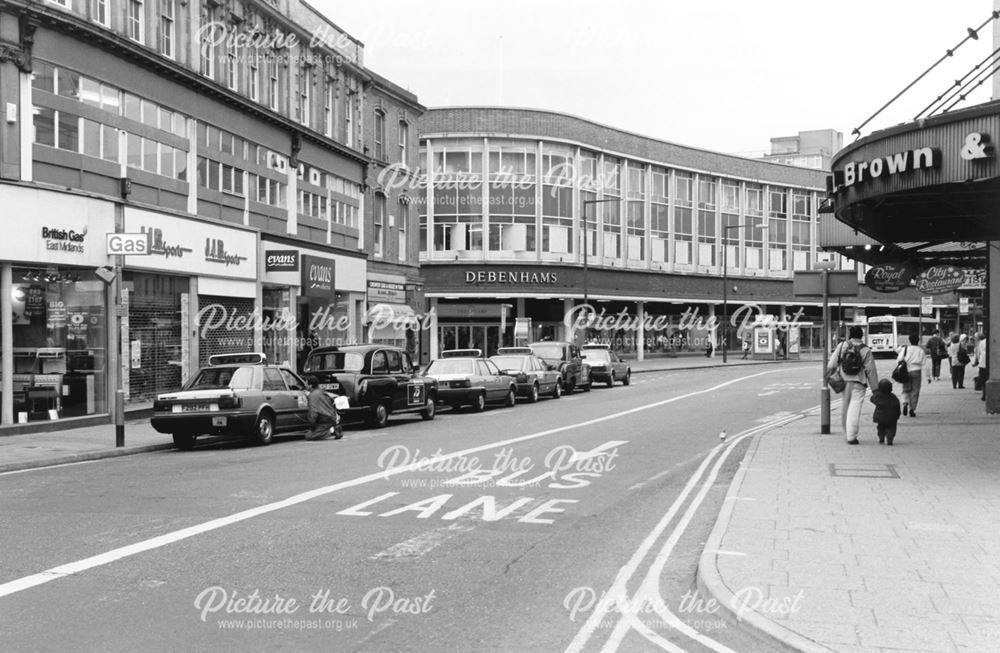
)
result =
(564, 330)
(6, 345)
(435, 351)
(993, 326)
(640, 332)
(714, 332)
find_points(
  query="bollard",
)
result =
(824, 410)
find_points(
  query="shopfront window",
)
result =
(59, 336)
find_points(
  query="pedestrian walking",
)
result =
(938, 352)
(981, 363)
(324, 419)
(856, 364)
(887, 412)
(746, 349)
(914, 356)
(958, 356)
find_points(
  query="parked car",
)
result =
(531, 374)
(377, 380)
(564, 357)
(470, 380)
(606, 366)
(235, 396)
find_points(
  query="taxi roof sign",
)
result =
(462, 353)
(251, 358)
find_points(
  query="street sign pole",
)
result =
(824, 391)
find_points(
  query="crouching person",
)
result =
(324, 420)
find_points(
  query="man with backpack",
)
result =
(857, 366)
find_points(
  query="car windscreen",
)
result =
(216, 378)
(450, 366)
(596, 355)
(334, 361)
(548, 351)
(509, 362)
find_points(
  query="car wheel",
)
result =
(511, 397)
(558, 391)
(264, 431)
(628, 378)
(379, 416)
(586, 388)
(611, 380)
(533, 395)
(479, 402)
(184, 441)
(430, 409)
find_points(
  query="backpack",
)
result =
(850, 359)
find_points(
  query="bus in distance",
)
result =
(887, 333)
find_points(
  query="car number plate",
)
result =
(330, 386)
(191, 408)
(219, 421)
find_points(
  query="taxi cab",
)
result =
(235, 396)
(377, 381)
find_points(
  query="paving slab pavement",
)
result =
(867, 548)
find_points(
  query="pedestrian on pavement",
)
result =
(886, 412)
(958, 358)
(981, 363)
(937, 350)
(914, 356)
(857, 366)
(746, 349)
(324, 419)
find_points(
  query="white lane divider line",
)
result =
(422, 544)
(617, 595)
(101, 559)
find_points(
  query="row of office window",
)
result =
(532, 199)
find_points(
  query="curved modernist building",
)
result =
(527, 214)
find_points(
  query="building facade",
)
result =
(395, 284)
(527, 214)
(231, 133)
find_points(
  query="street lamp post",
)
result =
(725, 285)
(586, 247)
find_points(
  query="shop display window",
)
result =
(59, 335)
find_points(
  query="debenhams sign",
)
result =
(511, 277)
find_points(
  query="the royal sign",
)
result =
(130, 244)
(890, 277)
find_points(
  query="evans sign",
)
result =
(281, 260)
(317, 276)
(890, 277)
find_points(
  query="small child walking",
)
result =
(887, 412)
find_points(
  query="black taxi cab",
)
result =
(235, 396)
(377, 381)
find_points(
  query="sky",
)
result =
(721, 75)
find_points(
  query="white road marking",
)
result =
(617, 595)
(78, 566)
(422, 544)
(35, 469)
(600, 450)
(769, 392)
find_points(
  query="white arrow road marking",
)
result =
(600, 450)
(101, 559)
(648, 593)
